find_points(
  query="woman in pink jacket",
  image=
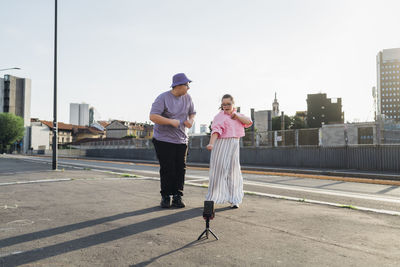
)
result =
(226, 181)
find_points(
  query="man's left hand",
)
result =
(188, 123)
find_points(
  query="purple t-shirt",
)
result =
(172, 107)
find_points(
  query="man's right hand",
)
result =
(175, 123)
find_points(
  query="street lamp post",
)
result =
(55, 126)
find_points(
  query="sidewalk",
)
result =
(103, 219)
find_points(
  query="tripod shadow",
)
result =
(191, 244)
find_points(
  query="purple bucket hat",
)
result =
(179, 78)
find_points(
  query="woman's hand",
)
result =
(210, 147)
(234, 116)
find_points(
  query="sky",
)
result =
(119, 55)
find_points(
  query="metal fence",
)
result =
(362, 157)
(288, 138)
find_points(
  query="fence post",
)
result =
(296, 137)
(275, 138)
(320, 137)
(257, 140)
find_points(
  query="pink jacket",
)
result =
(226, 127)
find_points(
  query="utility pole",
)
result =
(283, 128)
(55, 126)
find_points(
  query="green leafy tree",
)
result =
(293, 122)
(11, 130)
(276, 123)
(297, 123)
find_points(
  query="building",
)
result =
(83, 132)
(360, 133)
(263, 120)
(91, 115)
(15, 98)
(64, 133)
(275, 107)
(68, 133)
(193, 129)
(121, 129)
(322, 110)
(94, 115)
(388, 84)
(79, 114)
(15, 94)
(38, 135)
(203, 128)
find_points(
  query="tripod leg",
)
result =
(205, 231)
(216, 237)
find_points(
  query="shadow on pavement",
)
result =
(191, 244)
(72, 227)
(95, 239)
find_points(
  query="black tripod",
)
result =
(207, 229)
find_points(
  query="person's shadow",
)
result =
(94, 239)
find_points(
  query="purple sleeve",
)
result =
(158, 106)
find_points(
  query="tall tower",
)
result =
(275, 108)
(16, 97)
(15, 94)
(388, 84)
(79, 114)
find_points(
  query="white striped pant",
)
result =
(226, 181)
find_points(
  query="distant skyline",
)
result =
(119, 55)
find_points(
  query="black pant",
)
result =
(172, 158)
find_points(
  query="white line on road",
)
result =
(325, 192)
(388, 212)
(36, 181)
(262, 184)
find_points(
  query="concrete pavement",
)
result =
(91, 218)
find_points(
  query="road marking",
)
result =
(326, 192)
(15, 206)
(36, 181)
(299, 175)
(21, 222)
(381, 211)
(11, 253)
(265, 184)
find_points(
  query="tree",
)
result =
(276, 123)
(293, 122)
(297, 123)
(11, 130)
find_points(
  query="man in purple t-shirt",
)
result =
(172, 112)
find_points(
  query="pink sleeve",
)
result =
(217, 127)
